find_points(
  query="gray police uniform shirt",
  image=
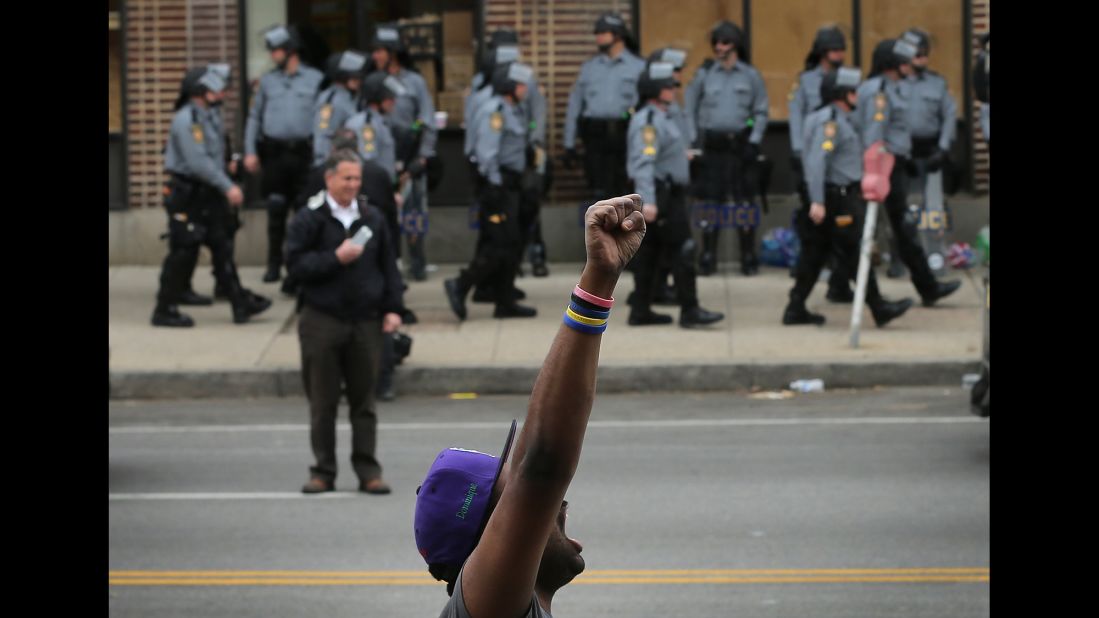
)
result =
(605, 89)
(415, 105)
(195, 148)
(882, 114)
(376, 142)
(932, 110)
(283, 107)
(331, 110)
(474, 102)
(832, 151)
(723, 99)
(501, 141)
(534, 107)
(656, 149)
(986, 128)
(456, 606)
(803, 100)
(679, 116)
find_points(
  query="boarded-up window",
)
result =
(114, 72)
(686, 26)
(782, 35)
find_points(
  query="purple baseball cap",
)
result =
(452, 502)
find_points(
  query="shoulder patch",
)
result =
(196, 132)
(648, 134)
(326, 115)
(496, 121)
(830, 128)
(316, 201)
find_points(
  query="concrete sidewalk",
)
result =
(749, 349)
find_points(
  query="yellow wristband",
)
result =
(583, 320)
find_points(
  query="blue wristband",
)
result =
(584, 328)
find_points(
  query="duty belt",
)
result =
(842, 189)
(725, 139)
(288, 144)
(604, 127)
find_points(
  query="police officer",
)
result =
(664, 294)
(412, 123)
(932, 111)
(502, 138)
(196, 196)
(279, 135)
(336, 103)
(658, 166)
(832, 161)
(981, 86)
(727, 109)
(372, 128)
(600, 104)
(827, 54)
(883, 113)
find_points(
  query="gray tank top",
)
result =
(456, 607)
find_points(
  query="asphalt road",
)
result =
(854, 503)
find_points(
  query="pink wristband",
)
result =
(592, 298)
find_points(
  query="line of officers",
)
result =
(378, 105)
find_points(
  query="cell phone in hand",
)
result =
(362, 236)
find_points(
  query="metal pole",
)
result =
(864, 271)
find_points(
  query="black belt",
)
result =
(842, 189)
(288, 144)
(923, 147)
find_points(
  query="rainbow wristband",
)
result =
(584, 328)
(592, 298)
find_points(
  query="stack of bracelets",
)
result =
(587, 312)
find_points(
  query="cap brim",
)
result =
(496, 477)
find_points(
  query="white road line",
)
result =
(623, 424)
(235, 495)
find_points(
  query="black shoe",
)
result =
(257, 303)
(488, 295)
(387, 394)
(456, 296)
(697, 316)
(896, 270)
(289, 287)
(749, 266)
(170, 316)
(220, 293)
(539, 270)
(886, 311)
(796, 313)
(418, 275)
(194, 299)
(941, 289)
(648, 317)
(514, 311)
(249, 305)
(840, 295)
(665, 295)
(272, 275)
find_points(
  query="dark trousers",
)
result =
(500, 241)
(335, 352)
(196, 216)
(605, 157)
(667, 240)
(905, 234)
(840, 237)
(530, 207)
(727, 175)
(285, 171)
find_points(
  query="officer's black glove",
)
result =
(416, 167)
(570, 158)
(911, 167)
(795, 164)
(936, 161)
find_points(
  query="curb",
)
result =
(434, 381)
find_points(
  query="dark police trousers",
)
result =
(530, 206)
(197, 214)
(668, 238)
(726, 172)
(335, 352)
(605, 156)
(285, 167)
(841, 236)
(905, 234)
(500, 241)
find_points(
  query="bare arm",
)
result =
(499, 577)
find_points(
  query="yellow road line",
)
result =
(608, 576)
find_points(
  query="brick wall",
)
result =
(980, 149)
(163, 39)
(555, 38)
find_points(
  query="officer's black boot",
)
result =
(697, 316)
(169, 315)
(220, 293)
(456, 290)
(513, 310)
(940, 290)
(194, 299)
(289, 286)
(749, 263)
(707, 261)
(797, 313)
(885, 311)
(272, 274)
(538, 260)
(245, 303)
